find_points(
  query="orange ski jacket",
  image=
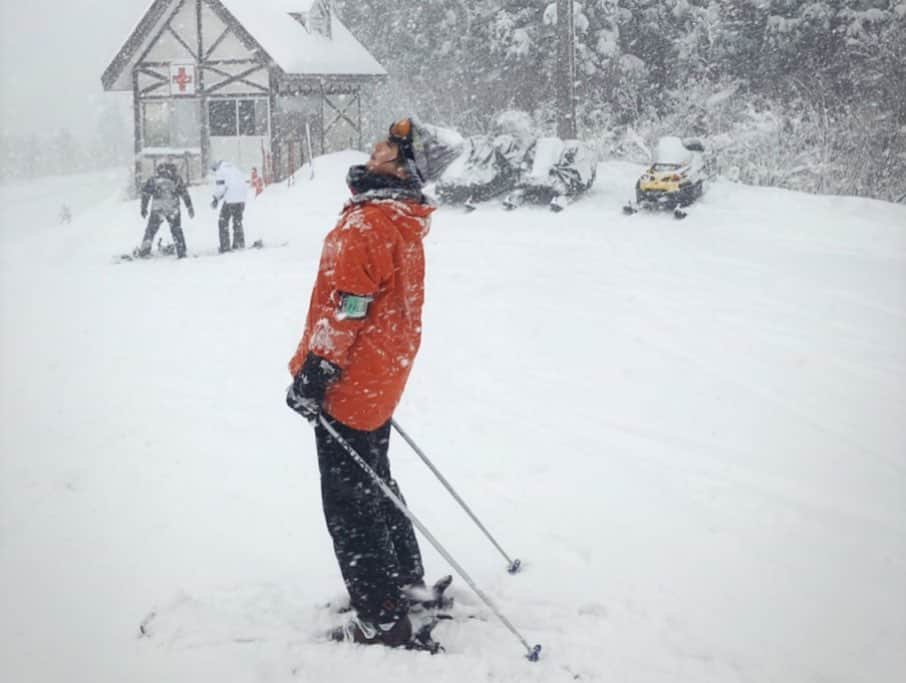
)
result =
(374, 251)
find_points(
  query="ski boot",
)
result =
(423, 639)
(356, 630)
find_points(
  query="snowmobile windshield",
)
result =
(665, 168)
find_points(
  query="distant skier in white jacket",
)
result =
(231, 187)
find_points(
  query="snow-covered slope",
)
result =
(692, 433)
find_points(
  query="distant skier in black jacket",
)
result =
(164, 190)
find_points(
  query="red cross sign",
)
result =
(182, 79)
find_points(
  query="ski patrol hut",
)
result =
(251, 81)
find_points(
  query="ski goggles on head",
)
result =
(401, 135)
(401, 132)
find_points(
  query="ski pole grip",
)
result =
(515, 566)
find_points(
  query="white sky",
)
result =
(52, 55)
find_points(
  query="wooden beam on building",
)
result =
(240, 77)
(235, 78)
(137, 133)
(203, 101)
(346, 84)
(215, 62)
(151, 88)
(234, 62)
(153, 74)
(153, 41)
(181, 41)
(216, 43)
(127, 52)
(161, 79)
(341, 115)
(276, 131)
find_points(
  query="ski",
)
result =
(169, 251)
(430, 606)
(423, 599)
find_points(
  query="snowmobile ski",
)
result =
(558, 203)
(514, 200)
(631, 209)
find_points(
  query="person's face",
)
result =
(385, 159)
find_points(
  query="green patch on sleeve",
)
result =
(353, 306)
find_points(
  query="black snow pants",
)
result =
(155, 219)
(374, 542)
(234, 211)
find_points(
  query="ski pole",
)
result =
(514, 565)
(533, 651)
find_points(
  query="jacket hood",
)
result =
(411, 216)
(360, 181)
(168, 170)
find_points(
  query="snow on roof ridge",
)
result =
(281, 5)
(294, 47)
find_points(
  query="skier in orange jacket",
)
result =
(361, 337)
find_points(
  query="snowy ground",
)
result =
(691, 432)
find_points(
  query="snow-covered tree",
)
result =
(828, 77)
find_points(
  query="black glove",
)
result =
(144, 213)
(191, 212)
(306, 394)
(214, 203)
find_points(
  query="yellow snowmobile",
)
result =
(674, 180)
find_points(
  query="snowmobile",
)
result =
(487, 168)
(560, 170)
(674, 180)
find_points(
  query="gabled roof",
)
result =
(283, 41)
(296, 49)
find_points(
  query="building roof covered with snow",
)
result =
(297, 37)
(293, 36)
(263, 83)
